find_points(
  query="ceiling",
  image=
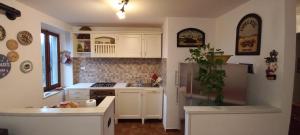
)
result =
(138, 12)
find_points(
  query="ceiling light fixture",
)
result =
(121, 13)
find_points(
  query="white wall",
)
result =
(260, 91)
(278, 33)
(298, 23)
(176, 55)
(18, 89)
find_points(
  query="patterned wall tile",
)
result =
(163, 70)
(115, 69)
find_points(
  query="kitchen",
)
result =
(148, 51)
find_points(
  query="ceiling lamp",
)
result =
(121, 13)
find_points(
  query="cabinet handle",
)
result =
(109, 122)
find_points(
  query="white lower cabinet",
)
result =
(79, 95)
(129, 103)
(152, 104)
(144, 103)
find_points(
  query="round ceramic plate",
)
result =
(12, 44)
(24, 37)
(2, 33)
(12, 56)
(26, 66)
(5, 66)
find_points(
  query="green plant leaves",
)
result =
(210, 73)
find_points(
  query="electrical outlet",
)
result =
(82, 68)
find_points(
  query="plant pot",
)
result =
(224, 58)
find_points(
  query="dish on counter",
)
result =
(66, 104)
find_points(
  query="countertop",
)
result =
(230, 109)
(93, 111)
(118, 86)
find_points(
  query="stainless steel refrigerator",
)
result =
(235, 89)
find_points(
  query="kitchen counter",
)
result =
(230, 109)
(96, 111)
(118, 86)
(235, 120)
(60, 121)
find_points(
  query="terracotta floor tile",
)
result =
(135, 127)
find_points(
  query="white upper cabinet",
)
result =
(119, 45)
(129, 46)
(103, 45)
(151, 45)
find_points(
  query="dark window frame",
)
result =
(50, 86)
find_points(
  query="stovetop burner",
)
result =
(104, 84)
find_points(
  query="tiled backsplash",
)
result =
(114, 69)
(163, 70)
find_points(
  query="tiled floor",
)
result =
(135, 127)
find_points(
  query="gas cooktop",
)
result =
(104, 84)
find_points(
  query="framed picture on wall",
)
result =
(190, 37)
(248, 35)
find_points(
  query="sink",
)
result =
(139, 85)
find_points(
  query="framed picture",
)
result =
(248, 35)
(190, 37)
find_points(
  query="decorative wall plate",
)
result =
(5, 66)
(26, 66)
(12, 56)
(12, 44)
(2, 33)
(24, 37)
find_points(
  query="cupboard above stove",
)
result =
(118, 44)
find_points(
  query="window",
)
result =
(50, 60)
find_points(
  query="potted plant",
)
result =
(211, 74)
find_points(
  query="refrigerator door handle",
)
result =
(177, 86)
(176, 78)
(177, 95)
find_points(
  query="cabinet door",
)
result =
(152, 46)
(152, 103)
(128, 104)
(54, 99)
(103, 45)
(78, 94)
(129, 46)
